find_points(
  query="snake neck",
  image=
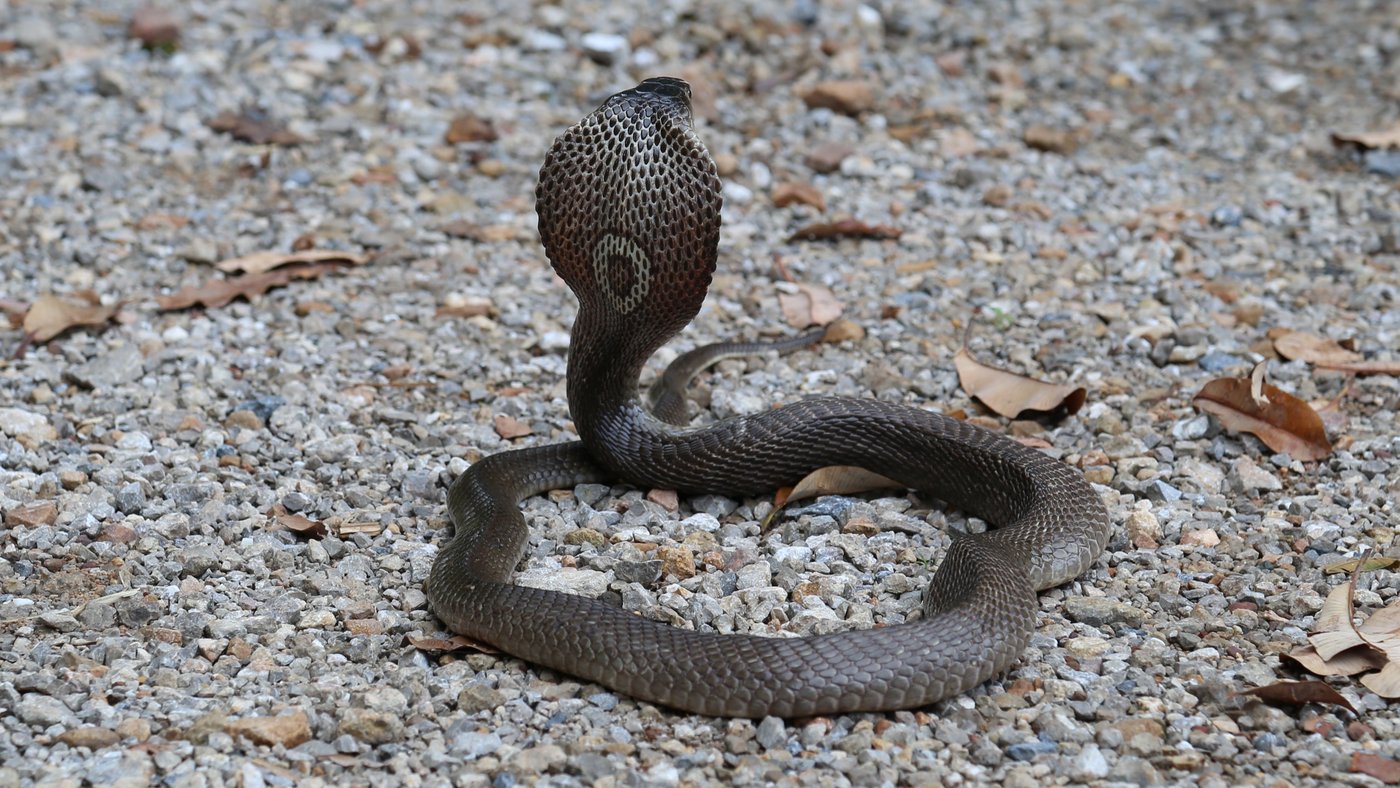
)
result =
(605, 365)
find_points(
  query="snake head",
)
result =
(629, 208)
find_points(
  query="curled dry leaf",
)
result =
(1340, 648)
(1328, 353)
(1016, 396)
(1299, 693)
(1369, 563)
(51, 315)
(836, 480)
(1282, 421)
(258, 262)
(219, 292)
(846, 228)
(1385, 138)
(254, 126)
(448, 645)
(785, 194)
(304, 527)
(1377, 766)
(811, 305)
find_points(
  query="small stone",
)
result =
(539, 759)
(200, 250)
(1206, 537)
(91, 737)
(1098, 611)
(605, 49)
(72, 480)
(542, 41)
(826, 157)
(582, 536)
(1143, 529)
(644, 572)
(477, 697)
(772, 733)
(1160, 491)
(288, 730)
(154, 27)
(1090, 764)
(466, 742)
(30, 429)
(846, 96)
(113, 368)
(570, 580)
(32, 514)
(1247, 477)
(134, 728)
(666, 499)
(1028, 750)
(1086, 647)
(243, 419)
(130, 498)
(371, 727)
(677, 561)
(41, 711)
(35, 33)
(1052, 140)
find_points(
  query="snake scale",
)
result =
(629, 213)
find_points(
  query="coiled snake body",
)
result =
(629, 207)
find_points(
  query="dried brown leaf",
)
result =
(1369, 563)
(254, 126)
(1385, 138)
(1377, 766)
(811, 305)
(1339, 647)
(449, 645)
(1282, 421)
(846, 228)
(258, 262)
(219, 292)
(1299, 693)
(301, 526)
(785, 194)
(1313, 349)
(51, 315)
(838, 480)
(1016, 396)
(509, 427)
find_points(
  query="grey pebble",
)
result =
(109, 369)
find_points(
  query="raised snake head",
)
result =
(629, 207)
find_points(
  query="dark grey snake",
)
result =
(629, 207)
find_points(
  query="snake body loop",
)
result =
(629, 206)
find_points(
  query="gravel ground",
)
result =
(1132, 195)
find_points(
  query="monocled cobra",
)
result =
(629, 209)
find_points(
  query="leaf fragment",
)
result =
(1339, 647)
(219, 292)
(810, 305)
(1370, 140)
(254, 126)
(258, 262)
(1329, 353)
(846, 228)
(1282, 421)
(1299, 693)
(304, 527)
(448, 645)
(838, 480)
(51, 315)
(1016, 396)
(795, 192)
